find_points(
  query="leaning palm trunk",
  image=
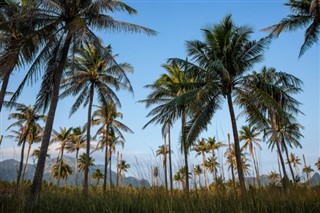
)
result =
(86, 170)
(21, 163)
(287, 155)
(185, 148)
(25, 166)
(37, 180)
(236, 144)
(4, 86)
(170, 162)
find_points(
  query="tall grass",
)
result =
(271, 199)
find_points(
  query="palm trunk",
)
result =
(86, 169)
(4, 86)
(21, 163)
(185, 148)
(170, 162)
(25, 166)
(204, 169)
(37, 180)
(287, 155)
(60, 166)
(110, 170)
(232, 170)
(165, 163)
(77, 152)
(117, 181)
(236, 144)
(256, 168)
(105, 162)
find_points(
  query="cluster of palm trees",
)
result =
(50, 36)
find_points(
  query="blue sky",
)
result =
(178, 21)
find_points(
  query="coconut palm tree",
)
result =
(70, 23)
(35, 154)
(59, 171)
(94, 72)
(214, 146)
(97, 175)
(167, 93)
(61, 137)
(77, 141)
(295, 161)
(123, 167)
(212, 165)
(27, 117)
(179, 177)
(274, 177)
(317, 164)
(197, 170)
(108, 117)
(82, 161)
(249, 135)
(304, 14)
(201, 147)
(164, 151)
(222, 60)
(308, 170)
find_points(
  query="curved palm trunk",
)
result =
(185, 148)
(4, 86)
(236, 144)
(77, 152)
(287, 155)
(86, 168)
(60, 166)
(21, 163)
(25, 166)
(37, 180)
(170, 161)
(165, 163)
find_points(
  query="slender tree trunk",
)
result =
(110, 170)
(105, 162)
(287, 155)
(86, 168)
(25, 166)
(232, 169)
(117, 180)
(170, 161)
(256, 168)
(37, 180)
(77, 152)
(165, 163)
(60, 166)
(236, 144)
(285, 176)
(21, 163)
(4, 86)
(279, 167)
(204, 169)
(185, 148)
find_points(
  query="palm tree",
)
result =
(27, 117)
(201, 148)
(179, 177)
(304, 14)
(167, 93)
(70, 23)
(82, 161)
(268, 103)
(62, 137)
(77, 141)
(59, 171)
(107, 116)
(224, 56)
(274, 177)
(164, 151)
(94, 72)
(308, 170)
(35, 154)
(213, 145)
(97, 175)
(317, 164)
(123, 167)
(295, 161)
(197, 172)
(249, 135)
(212, 165)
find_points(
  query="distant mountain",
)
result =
(9, 170)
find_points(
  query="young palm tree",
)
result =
(274, 177)
(82, 161)
(35, 154)
(59, 171)
(164, 151)
(212, 165)
(317, 164)
(61, 137)
(123, 167)
(308, 170)
(295, 161)
(97, 175)
(94, 72)
(201, 147)
(167, 93)
(224, 56)
(249, 135)
(27, 117)
(304, 14)
(179, 177)
(70, 23)
(77, 141)
(107, 116)
(213, 145)
(197, 170)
